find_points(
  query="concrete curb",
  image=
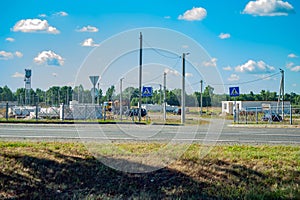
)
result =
(262, 126)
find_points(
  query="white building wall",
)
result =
(228, 106)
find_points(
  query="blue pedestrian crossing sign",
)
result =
(234, 91)
(147, 92)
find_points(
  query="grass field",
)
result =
(52, 170)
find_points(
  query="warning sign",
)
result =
(234, 91)
(147, 92)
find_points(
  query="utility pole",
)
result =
(140, 75)
(165, 101)
(201, 99)
(160, 95)
(183, 89)
(98, 102)
(121, 100)
(281, 94)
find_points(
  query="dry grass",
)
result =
(55, 170)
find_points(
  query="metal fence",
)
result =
(63, 112)
(284, 115)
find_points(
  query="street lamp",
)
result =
(121, 103)
(183, 89)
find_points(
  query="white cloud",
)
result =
(42, 15)
(34, 25)
(174, 72)
(227, 68)
(211, 63)
(89, 43)
(50, 58)
(224, 36)
(167, 17)
(188, 74)
(289, 65)
(268, 8)
(265, 77)
(294, 85)
(6, 55)
(195, 14)
(61, 14)
(10, 39)
(18, 75)
(295, 69)
(254, 67)
(292, 55)
(18, 54)
(88, 28)
(9, 55)
(233, 77)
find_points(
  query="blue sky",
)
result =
(246, 41)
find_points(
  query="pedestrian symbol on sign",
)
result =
(234, 91)
(147, 92)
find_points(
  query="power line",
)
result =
(242, 83)
(155, 78)
(155, 50)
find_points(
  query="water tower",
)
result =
(27, 81)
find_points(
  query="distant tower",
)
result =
(27, 81)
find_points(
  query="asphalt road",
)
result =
(212, 134)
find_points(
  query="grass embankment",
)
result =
(68, 171)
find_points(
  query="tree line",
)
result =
(56, 95)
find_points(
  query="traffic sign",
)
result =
(234, 91)
(147, 92)
(94, 79)
(94, 92)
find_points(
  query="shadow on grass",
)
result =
(86, 178)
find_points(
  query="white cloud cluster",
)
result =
(6, 55)
(61, 14)
(88, 28)
(42, 15)
(224, 36)
(195, 14)
(268, 8)
(228, 68)
(234, 77)
(174, 72)
(50, 58)
(9, 55)
(18, 54)
(210, 63)
(34, 25)
(295, 69)
(254, 67)
(9, 39)
(289, 65)
(292, 55)
(89, 43)
(17, 75)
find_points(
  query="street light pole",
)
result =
(201, 98)
(183, 89)
(121, 103)
(165, 101)
(140, 75)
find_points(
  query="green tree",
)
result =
(208, 95)
(109, 93)
(6, 94)
(20, 95)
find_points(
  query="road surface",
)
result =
(214, 133)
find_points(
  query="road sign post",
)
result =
(234, 92)
(94, 80)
